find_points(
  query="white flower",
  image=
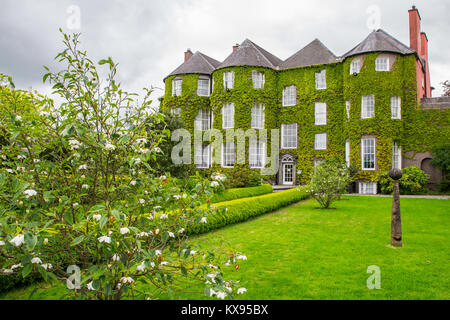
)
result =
(158, 252)
(177, 196)
(83, 167)
(241, 257)
(47, 266)
(152, 264)
(74, 144)
(157, 207)
(184, 195)
(141, 201)
(133, 183)
(17, 240)
(90, 287)
(241, 290)
(137, 160)
(7, 271)
(21, 157)
(76, 204)
(181, 230)
(150, 217)
(227, 263)
(36, 260)
(36, 160)
(85, 186)
(97, 217)
(192, 252)
(2, 243)
(171, 235)
(163, 216)
(212, 266)
(141, 141)
(203, 220)
(45, 240)
(163, 177)
(9, 170)
(141, 267)
(115, 257)
(105, 239)
(214, 184)
(156, 231)
(164, 263)
(142, 234)
(18, 118)
(30, 193)
(157, 149)
(221, 295)
(124, 230)
(126, 280)
(109, 146)
(16, 266)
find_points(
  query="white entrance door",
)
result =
(288, 173)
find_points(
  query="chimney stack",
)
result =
(414, 29)
(187, 55)
(235, 47)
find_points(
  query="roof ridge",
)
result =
(204, 58)
(256, 47)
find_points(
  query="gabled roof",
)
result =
(250, 54)
(377, 41)
(198, 63)
(312, 54)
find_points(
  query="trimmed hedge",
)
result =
(238, 193)
(246, 208)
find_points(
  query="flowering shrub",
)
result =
(76, 180)
(329, 181)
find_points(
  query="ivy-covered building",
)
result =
(371, 107)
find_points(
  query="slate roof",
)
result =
(377, 41)
(312, 54)
(198, 63)
(250, 54)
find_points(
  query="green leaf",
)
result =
(77, 240)
(103, 221)
(30, 240)
(26, 270)
(98, 208)
(184, 271)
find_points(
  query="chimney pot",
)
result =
(235, 47)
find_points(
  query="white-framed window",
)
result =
(228, 80)
(347, 152)
(368, 153)
(257, 152)
(355, 66)
(203, 87)
(367, 187)
(176, 87)
(289, 136)
(258, 116)
(320, 141)
(396, 107)
(321, 82)
(289, 96)
(228, 116)
(228, 155)
(382, 64)
(347, 108)
(176, 111)
(320, 113)
(396, 155)
(203, 120)
(368, 107)
(203, 156)
(258, 79)
(316, 162)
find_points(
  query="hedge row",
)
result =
(238, 193)
(246, 208)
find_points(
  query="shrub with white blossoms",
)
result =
(66, 196)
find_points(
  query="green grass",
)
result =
(301, 252)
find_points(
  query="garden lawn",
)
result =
(302, 252)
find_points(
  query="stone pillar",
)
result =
(396, 222)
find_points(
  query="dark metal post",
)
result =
(396, 222)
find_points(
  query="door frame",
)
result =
(287, 158)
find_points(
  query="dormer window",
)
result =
(382, 64)
(203, 87)
(321, 82)
(258, 79)
(176, 87)
(228, 80)
(355, 66)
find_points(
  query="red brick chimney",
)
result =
(418, 41)
(187, 55)
(414, 29)
(235, 47)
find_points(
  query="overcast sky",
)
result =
(148, 38)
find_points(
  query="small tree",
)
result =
(329, 181)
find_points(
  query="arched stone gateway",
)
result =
(287, 174)
(435, 173)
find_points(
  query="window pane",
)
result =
(395, 107)
(382, 64)
(176, 88)
(320, 142)
(258, 116)
(321, 80)
(203, 87)
(368, 153)
(289, 136)
(320, 110)
(228, 116)
(368, 106)
(256, 153)
(289, 96)
(228, 154)
(258, 79)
